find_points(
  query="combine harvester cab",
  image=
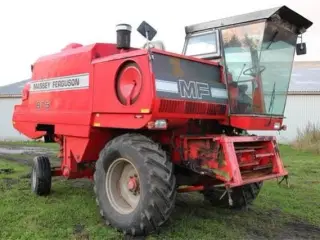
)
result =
(144, 124)
(257, 52)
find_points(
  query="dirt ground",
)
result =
(293, 229)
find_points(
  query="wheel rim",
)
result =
(34, 179)
(123, 186)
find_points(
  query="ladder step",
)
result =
(261, 155)
(247, 164)
(248, 147)
(245, 151)
(262, 167)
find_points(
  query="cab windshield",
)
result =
(258, 59)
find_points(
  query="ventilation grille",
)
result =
(172, 106)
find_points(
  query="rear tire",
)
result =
(41, 176)
(140, 207)
(242, 196)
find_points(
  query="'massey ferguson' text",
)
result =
(74, 82)
(57, 84)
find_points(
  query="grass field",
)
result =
(70, 211)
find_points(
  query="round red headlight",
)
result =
(129, 83)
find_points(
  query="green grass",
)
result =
(70, 211)
(17, 168)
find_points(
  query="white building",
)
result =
(302, 103)
(10, 95)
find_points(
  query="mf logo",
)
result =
(193, 90)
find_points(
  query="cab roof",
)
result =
(284, 12)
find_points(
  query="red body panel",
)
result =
(254, 122)
(105, 72)
(74, 95)
(235, 160)
(86, 107)
(67, 109)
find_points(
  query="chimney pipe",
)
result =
(123, 36)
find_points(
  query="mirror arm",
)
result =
(300, 36)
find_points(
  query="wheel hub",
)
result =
(122, 186)
(133, 184)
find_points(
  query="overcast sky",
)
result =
(31, 28)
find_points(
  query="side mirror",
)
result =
(147, 31)
(301, 48)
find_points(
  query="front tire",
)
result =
(134, 184)
(41, 176)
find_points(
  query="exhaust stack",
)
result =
(123, 35)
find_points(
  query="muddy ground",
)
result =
(25, 154)
(296, 229)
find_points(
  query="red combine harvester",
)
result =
(146, 123)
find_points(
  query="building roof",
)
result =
(305, 79)
(13, 90)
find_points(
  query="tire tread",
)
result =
(43, 171)
(162, 181)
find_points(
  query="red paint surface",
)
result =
(85, 120)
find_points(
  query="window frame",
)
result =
(211, 55)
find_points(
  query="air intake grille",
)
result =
(172, 106)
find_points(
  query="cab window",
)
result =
(202, 45)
